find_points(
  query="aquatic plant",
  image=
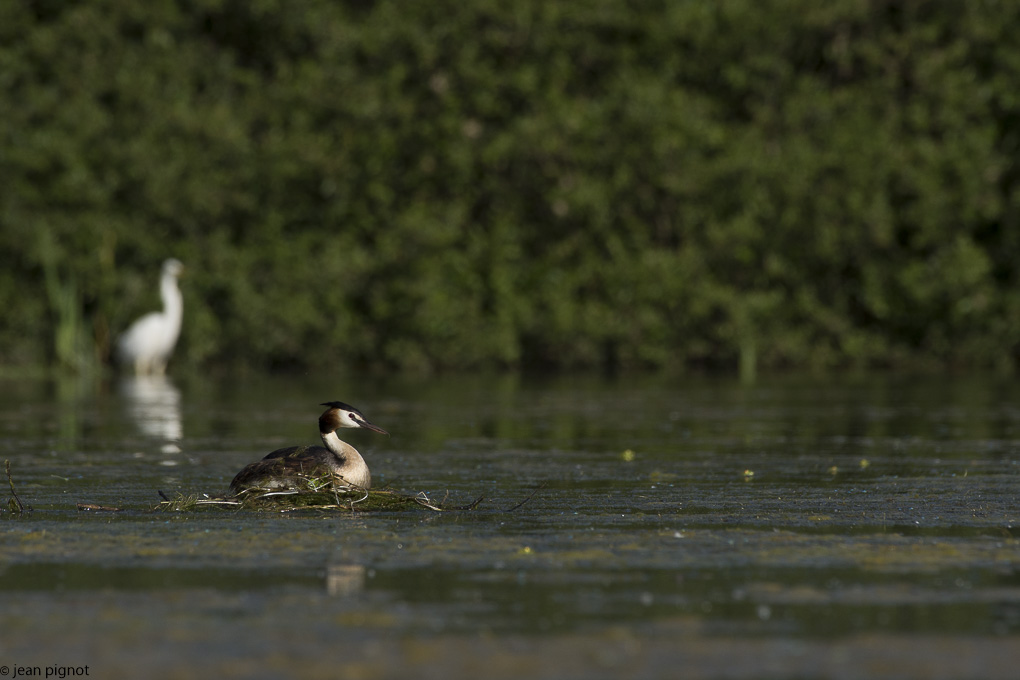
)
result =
(14, 503)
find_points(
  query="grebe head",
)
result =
(340, 414)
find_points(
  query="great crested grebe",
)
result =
(290, 468)
(146, 346)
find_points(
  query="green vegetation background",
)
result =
(503, 183)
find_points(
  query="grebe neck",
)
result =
(351, 466)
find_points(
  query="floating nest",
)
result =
(316, 493)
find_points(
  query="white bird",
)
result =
(147, 345)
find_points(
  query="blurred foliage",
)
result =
(501, 184)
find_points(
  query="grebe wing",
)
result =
(292, 452)
(279, 465)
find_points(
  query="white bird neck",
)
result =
(173, 301)
(353, 467)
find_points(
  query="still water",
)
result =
(634, 527)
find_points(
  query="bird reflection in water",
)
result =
(154, 404)
(345, 580)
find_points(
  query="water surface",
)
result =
(636, 527)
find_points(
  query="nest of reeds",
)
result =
(313, 493)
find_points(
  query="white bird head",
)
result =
(172, 267)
